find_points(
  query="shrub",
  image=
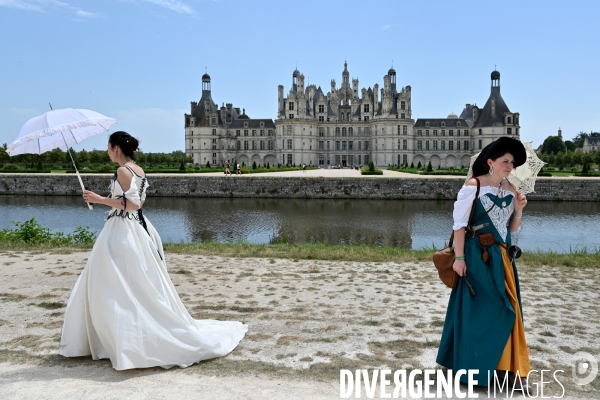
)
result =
(412, 165)
(419, 165)
(105, 168)
(429, 168)
(182, 165)
(254, 165)
(32, 232)
(10, 167)
(207, 164)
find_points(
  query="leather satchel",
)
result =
(444, 259)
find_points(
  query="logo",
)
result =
(585, 368)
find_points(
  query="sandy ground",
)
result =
(307, 320)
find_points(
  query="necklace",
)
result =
(496, 190)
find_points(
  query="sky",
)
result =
(141, 61)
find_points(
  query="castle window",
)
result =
(342, 116)
(427, 145)
(254, 145)
(398, 131)
(458, 132)
(419, 132)
(435, 145)
(321, 108)
(337, 144)
(366, 146)
(262, 124)
(466, 145)
(435, 132)
(262, 144)
(321, 131)
(291, 116)
(427, 132)
(270, 132)
(321, 118)
(466, 132)
(426, 124)
(450, 145)
(344, 132)
(245, 132)
(443, 145)
(262, 132)
(403, 105)
(350, 132)
(239, 145)
(245, 145)
(213, 120)
(366, 108)
(480, 131)
(509, 131)
(337, 131)
(245, 124)
(443, 124)
(270, 145)
(253, 132)
(405, 144)
(403, 116)
(350, 145)
(344, 145)
(450, 132)
(291, 106)
(458, 123)
(289, 143)
(419, 145)
(404, 130)
(458, 145)
(214, 132)
(508, 119)
(480, 145)
(289, 129)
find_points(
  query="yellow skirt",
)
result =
(515, 357)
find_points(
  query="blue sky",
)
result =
(141, 61)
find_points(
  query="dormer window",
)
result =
(443, 124)
(426, 124)
(458, 123)
(262, 124)
(245, 124)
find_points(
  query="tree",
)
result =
(254, 165)
(182, 165)
(553, 144)
(419, 165)
(429, 168)
(597, 157)
(412, 165)
(570, 145)
(4, 157)
(208, 164)
(567, 158)
(577, 158)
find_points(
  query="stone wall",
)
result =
(280, 187)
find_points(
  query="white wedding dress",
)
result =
(125, 307)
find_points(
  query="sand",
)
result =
(307, 319)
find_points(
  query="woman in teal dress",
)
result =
(486, 332)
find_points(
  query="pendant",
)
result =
(503, 204)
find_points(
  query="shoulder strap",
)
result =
(130, 169)
(472, 211)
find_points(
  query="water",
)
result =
(557, 226)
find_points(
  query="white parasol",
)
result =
(57, 128)
(522, 177)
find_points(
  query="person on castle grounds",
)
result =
(484, 330)
(124, 306)
(227, 172)
(238, 169)
(303, 168)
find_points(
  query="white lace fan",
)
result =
(524, 176)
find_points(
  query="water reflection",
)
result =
(558, 226)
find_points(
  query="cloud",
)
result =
(388, 27)
(43, 5)
(173, 5)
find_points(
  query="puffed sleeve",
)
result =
(462, 206)
(132, 194)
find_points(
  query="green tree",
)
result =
(182, 165)
(208, 164)
(588, 158)
(419, 165)
(429, 167)
(597, 157)
(577, 158)
(83, 158)
(567, 158)
(570, 145)
(254, 165)
(4, 157)
(553, 145)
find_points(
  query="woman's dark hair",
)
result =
(127, 143)
(494, 156)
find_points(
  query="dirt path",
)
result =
(308, 319)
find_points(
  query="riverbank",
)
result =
(308, 319)
(313, 184)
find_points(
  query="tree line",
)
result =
(59, 159)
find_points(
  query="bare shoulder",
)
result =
(471, 182)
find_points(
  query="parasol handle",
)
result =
(76, 171)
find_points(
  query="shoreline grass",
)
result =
(314, 251)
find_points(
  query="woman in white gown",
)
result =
(124, 305)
